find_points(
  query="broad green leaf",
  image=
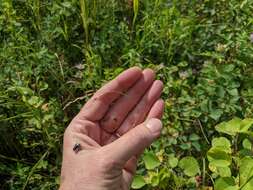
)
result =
(219, 163)
(224, 171)
(222, 143)
(154, 181)
(247, 144)
(173, 161)
(219, 159)
(138, 182)
(189, 165)
(245, 125)
(230, 127)
(227, 183)
(151, 161)
(234, 126)
(191, 180)
(219, 156)
(246, 173)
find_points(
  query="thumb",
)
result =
(135, 141)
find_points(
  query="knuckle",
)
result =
(119, 84)
(143, 134)
(106, 163)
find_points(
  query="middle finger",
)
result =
(120, 109)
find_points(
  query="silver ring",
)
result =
(77, 147)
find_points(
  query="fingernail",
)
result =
(154, 125)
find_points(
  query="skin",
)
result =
(113, 128)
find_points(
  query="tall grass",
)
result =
(85, 20)
(53, 54)
(136, 10)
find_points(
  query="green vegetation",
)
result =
(55, 54)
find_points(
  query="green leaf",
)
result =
(194, 137)
(246, 173)
(247, 144)
(218, 164)
(155, 180)
(233, 92)
(219, 160)
(224, 171)
(21, 90)
(234, 126)
(215, 154)
(138, 182)
(185, 146)
(245, 125)
(189, 165)
(227, 183)
(196, 145)
(222, 143)
(173, 161)
(228, 68)
(216, 114)
(43, 164)
(151, 161)
(220, 91)
(230, 127)
(35, 101)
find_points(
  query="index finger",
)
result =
(97, 106)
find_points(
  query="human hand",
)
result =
(113, 128)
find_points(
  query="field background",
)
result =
(55, 54)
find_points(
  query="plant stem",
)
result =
(33, 169)
(84, 15)
(202, 130)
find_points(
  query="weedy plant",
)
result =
(55, 54)
(230, 158)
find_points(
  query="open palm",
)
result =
(115, 109)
